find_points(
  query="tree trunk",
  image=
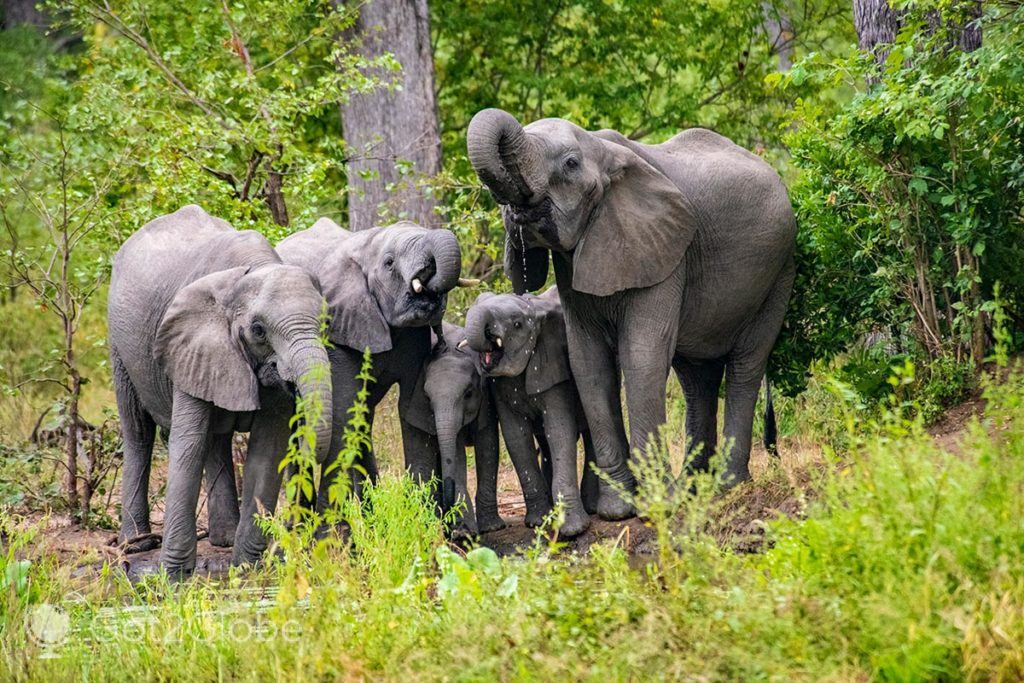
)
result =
(23, 13)
(389, 124)
(779, 29)
(876, 23)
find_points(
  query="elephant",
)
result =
(210, 333)
(453, 402)
(521, 343)
(677, 255)
(385, 288)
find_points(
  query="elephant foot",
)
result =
(140, 543)
(489, 522)
(222, 538)
(535, 515)
(590, 504)
(612, 507)
(576, 522)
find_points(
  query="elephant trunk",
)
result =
(312, 378)
(476, 328)
(454, 489)
(500, 150)
(444, 249)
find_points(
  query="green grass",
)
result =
(907, 566)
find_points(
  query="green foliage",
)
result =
(909, 195)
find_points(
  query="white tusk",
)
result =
(468, 282)
(417, 286)
(463, 344)
(497, 340)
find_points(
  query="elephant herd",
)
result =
(676, 256)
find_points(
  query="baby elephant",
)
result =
(521, 344)
(452, 402)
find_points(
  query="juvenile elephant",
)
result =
(453, 403)
(673, 255)
(521, 343)
(209, 334)
(385, 287)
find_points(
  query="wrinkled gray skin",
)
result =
(209, 334)
(674, 255)
(453, 403)
(521, 344)
(369, 280)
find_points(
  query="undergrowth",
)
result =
(905, 565)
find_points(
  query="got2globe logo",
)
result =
(48, 625)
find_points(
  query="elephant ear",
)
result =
(194, 345)
(416, 408)
(528, 271)
(640, 231)
(356, 320)
(549, 364)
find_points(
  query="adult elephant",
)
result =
(210, 333)
(673, 255)
(385, 288)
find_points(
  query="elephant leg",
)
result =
(138, 432)
(645, 356)
(221, 492)
(268, 444)
(744, 371)
(518, 433)
(589, 483)
(187, 451)
(700, 381)
(561, 432)
(422, 455)
(344, 369)
(366, 472)
(596, 371)
(485, 446)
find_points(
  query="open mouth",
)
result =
(490, 359)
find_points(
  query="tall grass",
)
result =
(906, 566)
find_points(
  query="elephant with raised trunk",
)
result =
(677, 255)
(385, 288)
(453, 403)
(210, 333)
(521, 343)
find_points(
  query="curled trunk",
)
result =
(502, 155)
(476, 328)
(444, 248)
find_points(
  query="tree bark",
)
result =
(23, 13)
(877, 24)
(392, 123)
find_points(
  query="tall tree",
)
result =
(877, 24)
(392, 133)
(22, 13)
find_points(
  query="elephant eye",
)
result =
(572, 163)
(389, 261)
(469, 392)
(258, 331)
(517, 324)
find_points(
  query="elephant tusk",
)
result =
(497, 340)
(417, 286)
(468, 282)
(462, 344)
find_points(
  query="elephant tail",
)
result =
(771, 432)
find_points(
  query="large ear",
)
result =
(527, 271)
(549, 364)
(356, 320)
(195, 347)
(415, 409)
(640, 231)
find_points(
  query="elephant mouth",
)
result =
(424, 308)
(537, 219)
(491, 358)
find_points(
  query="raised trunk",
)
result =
(447, 260)
(476, 328)
(387, 127)
(313, 382)
(500, 151)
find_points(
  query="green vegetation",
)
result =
(906, 566)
